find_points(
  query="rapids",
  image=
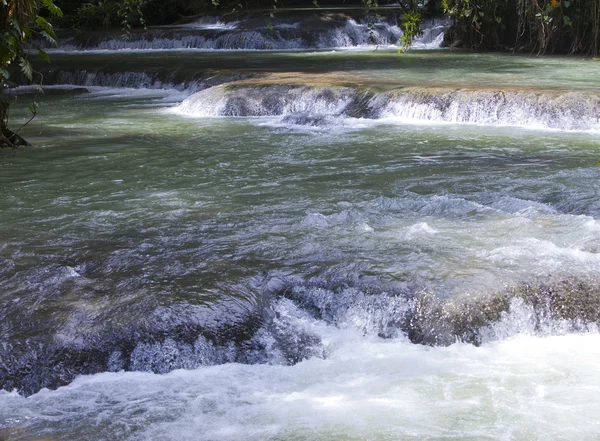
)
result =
(311, 244)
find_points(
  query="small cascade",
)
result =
(269, 101)
(325, 31)
(138, 80)
(562, 111)
(540, 110)
(433, 34)
(210, 22)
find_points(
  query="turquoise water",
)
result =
(381, 67)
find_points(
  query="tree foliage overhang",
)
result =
(20, 24)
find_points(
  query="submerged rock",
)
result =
(279, 322)
(425, 318)
(307, 120)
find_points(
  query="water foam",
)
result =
(336, 31)
(138, 80)
(562, 111)
(301, 101)
(520, 388)
(569, 111)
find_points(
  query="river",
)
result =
(321, 239)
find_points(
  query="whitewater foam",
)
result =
(337, 31)
(521, 388)
(568, 111)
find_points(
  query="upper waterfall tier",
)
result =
(297, 32)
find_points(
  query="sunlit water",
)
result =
(267, 277)
(521, 389)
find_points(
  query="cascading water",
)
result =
(549, 110)
(316, 31)
(302, 245)
(136, 80)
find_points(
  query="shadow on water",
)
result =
(382, 68)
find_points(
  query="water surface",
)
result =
(302, 273)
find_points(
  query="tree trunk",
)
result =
(8, 138)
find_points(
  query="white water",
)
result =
(564, 111)
(519, 388)
(209, 23)
(312, 102)
(130, 80)
(570, 111)
(209, 34)
(433, 34)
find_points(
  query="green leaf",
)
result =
(46, 27)
(49, 38)
(4, 73)
(15, 25)
(44, 55)
(52, 8)
(566, 4)
(33, 107)
(26, 68)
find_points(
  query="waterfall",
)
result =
(320, 32)
(550, 110)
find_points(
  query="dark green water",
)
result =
(382, 68)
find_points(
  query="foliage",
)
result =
(410, 25)
(126, 14)
(97, 15)
(368, 6)
(130, 13)
(104, 14)
(20, 24)
(536, 25)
